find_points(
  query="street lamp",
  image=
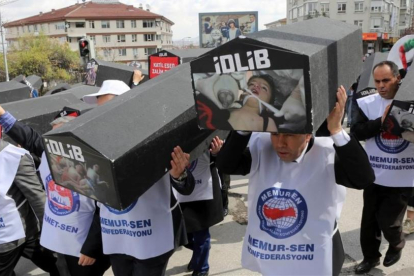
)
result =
(2, 3)
(183, 41)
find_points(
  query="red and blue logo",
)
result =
(61, 201)
(282, 212)
(390, 143)
(192, 166)
(124, 211)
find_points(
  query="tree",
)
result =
(42, 56)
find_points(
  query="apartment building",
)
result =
(119, 32)
(381, 21)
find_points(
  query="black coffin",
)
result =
(130, 139)
(12, 91)
(188, 55)
(59, 88)
(400, 117)
(39, 112)
(304, 62)
(115, 71)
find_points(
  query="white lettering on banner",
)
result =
(163, 65)
(397, 163)
(232, 63)
(61, 226)
(260, 245)
(2, 225)
(57, 148)
(128, 224)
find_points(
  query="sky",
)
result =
(184, 13)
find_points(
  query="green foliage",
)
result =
(42, 56)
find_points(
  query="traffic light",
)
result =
(84, 47)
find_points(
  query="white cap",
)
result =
(114, 87)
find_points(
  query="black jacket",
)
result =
(200, 215)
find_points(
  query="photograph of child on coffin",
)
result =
(262, 101)
(79, 177)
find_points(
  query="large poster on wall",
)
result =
(219, 27)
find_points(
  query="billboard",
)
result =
(219, 27)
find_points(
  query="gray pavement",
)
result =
(227, 238)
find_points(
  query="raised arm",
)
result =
(234, 157)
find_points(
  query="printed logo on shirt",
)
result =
(282, 212)
(124, 211)
(191, 167)
(61, 201)
(2, 225)
(390, 143)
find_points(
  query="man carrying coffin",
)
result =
(294, 199)
(22, 202)
(68, 215)
(385, 202)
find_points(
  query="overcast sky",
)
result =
(184, 13)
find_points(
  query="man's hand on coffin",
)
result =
(216, 145)
(335, 117)
(179, 162)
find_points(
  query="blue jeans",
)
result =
(200, 241)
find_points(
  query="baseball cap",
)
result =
(114, 87)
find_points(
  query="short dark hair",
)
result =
(252, 15)
(207, 19)
(394, 68)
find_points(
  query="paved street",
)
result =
(227, 238)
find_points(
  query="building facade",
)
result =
(119, 32)
(276, 24)
(382, 21)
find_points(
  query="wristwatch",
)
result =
(182, 176)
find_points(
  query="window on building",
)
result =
(376, 9)
(150, 51)
(122, 52)
(120, 24)
(148, 37)
(29, 29)
(23, 29)
(106, 38)
(295, 14)
(69, 40)
(158, 37)
(92, 24)
(358, 23)
(148, 23)
(35, 28)
(121, 38)
(134, 38)
(60, 26)
(133, 23)
(92, 38)
(135, 52)
(376, 23)
(341, 7)
(300, 11)
(310, 8)
(105, 24)
(324, 7)
(359, 6)
(403, 4)
(107, 52)
(79, 24)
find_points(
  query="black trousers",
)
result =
(124, 265)
(384, 210)
(33, 251)
(72, 267)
